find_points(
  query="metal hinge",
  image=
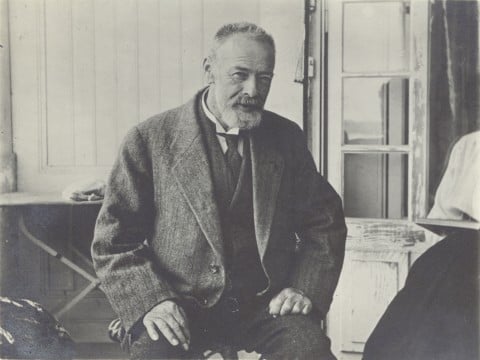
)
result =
(311, 67)
(312, 5)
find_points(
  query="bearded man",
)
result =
(216, 226)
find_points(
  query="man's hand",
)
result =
(172, 322)
(290, 301)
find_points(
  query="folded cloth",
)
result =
(85, 190)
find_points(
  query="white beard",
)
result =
(242, 120)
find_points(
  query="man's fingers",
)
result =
(275, 305)
(178, 330)
(186, 335)
(287, 306)
(307, 308)
(182, 322)
(290, 301)
(151, 330)
(171, 321)
(167, 332)
(178, 313)
(297, 308)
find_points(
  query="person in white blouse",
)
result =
(458, 194)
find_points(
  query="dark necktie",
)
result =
(232, 156)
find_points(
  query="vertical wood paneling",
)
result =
(285, 95)
(105, 81)
(24, 19)
(369, 282)
(149, 60)
(59, 86)
(171, 49)
(97, 67)
(380, 279)
(84, 81)
(127, 65)
(219, 12)
(192, 51)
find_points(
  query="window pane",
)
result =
(375, 111)
(376, 36)
(375, 185)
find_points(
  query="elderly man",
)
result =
(216, 226)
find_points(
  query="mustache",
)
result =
(250, 101)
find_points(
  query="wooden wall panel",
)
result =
(192, 52)
(126, 30)
(105, 81)
(381, 277)
(149, 61)
(219, 12)
(369, 281)
(59, 83)
(83, 55)
(97, 67)
(24, 39)
(170, 54)
(284, 21)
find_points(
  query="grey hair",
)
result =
(247, 28)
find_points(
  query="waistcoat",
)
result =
(245, 275)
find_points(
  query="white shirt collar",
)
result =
(219, 128)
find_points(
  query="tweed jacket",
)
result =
(158, 234)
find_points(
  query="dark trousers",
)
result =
(253, 329)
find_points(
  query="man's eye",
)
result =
(239, 76)
(266, 79)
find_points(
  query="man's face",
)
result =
(240, 77)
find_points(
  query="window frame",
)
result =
(417, 75)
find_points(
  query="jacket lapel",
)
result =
(192, 174)
(267, 169)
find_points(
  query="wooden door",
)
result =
(376, 154)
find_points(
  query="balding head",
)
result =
(240, 28)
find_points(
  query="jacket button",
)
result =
(214, 268)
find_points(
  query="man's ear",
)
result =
(207, 68)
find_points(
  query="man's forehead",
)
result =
(245, 47)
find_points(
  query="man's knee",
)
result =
(139, 345)
(301, 337)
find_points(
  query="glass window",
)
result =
(376, 36)
(375, 111)
(375, 185)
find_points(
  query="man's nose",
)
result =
(250, 86)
